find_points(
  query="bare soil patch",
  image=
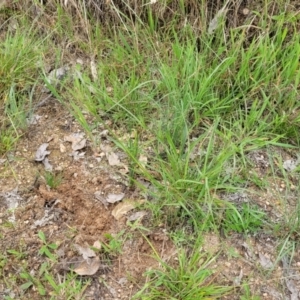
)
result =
(70, 214)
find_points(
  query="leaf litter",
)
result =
(122, 208)
(12, 200)
(77, 139)
(41, 154)
(113, 198)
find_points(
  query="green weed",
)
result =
(247, 219)
(47, 248)
(53, 180)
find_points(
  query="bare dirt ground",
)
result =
(70, 214)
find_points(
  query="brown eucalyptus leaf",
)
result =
(113, 198)
(88, 267)
(85, 251)
(113, 159)
(137, 216)
(123, 208)
(77, 139)
(41, 152)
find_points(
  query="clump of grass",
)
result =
(7, 140)
(189, 278)
(53, 180)
(202, 110)
(20, 53)
(248, 219)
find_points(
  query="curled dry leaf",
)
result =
(11, 198)
(290, 165)
(77, 139)
(265, 262)
(41, 152)
(48, 166)
(45, 220)
(113, 198)
(113, 159)
(88, 267)
(98, 195)
(57, 74)
(137, 216)
(104, 133)
(77, 155)
(123, 208)
(86, 252)
(33, 120)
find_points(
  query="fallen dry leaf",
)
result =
(265, 262)
(57, 74)
(88, 267)
(86, 252)
(113, 198)
(137, 216)
(11, 198)
(99, 196)
(290, 165)
(48, 166)
(113, 158)
(123, 208)
(41, 152)
(33, 120)
(77, 139)
(77, 155)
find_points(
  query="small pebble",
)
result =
(246, 11)
(265, 294)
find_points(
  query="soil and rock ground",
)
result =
(104, 196)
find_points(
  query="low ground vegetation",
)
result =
(190, 116)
